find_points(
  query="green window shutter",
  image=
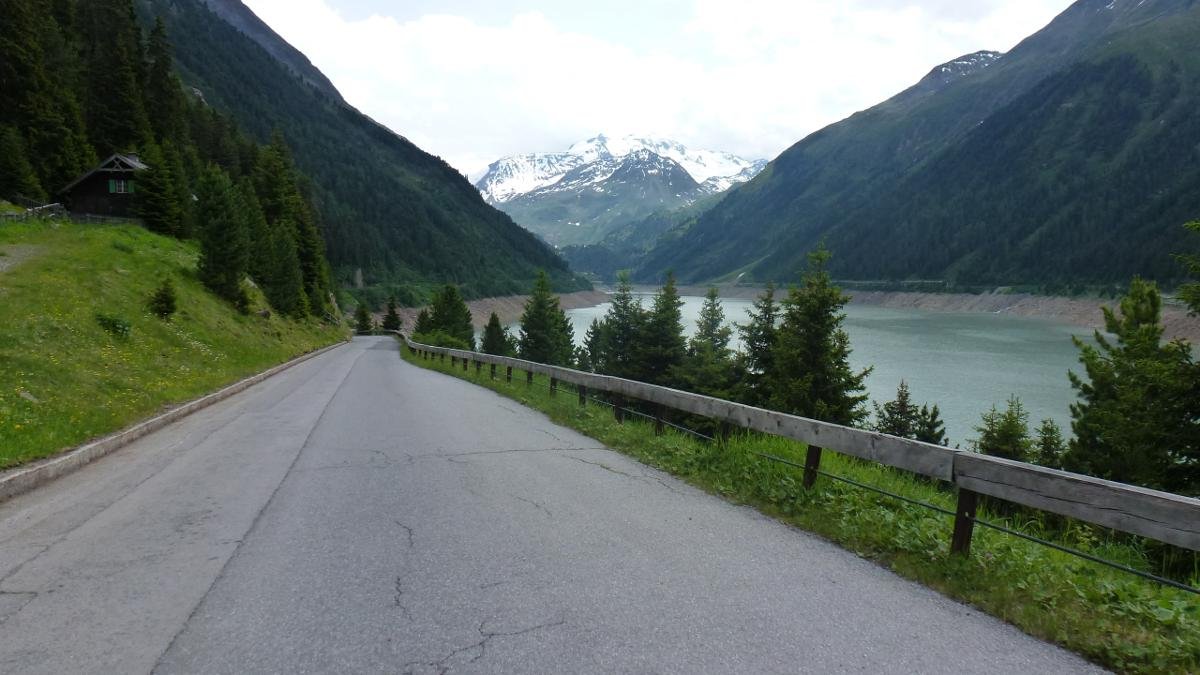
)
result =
(112, 186)
(131, 190)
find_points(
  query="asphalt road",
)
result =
(358, 514)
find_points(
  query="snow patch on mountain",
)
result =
(596, 159)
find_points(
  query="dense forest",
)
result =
(83, 81)
(405, 218)
(1069, 160)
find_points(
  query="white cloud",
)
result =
(751, 77)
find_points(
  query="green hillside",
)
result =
(1072, 157)
(387, 207)
(65, 379)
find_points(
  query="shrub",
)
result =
(114, 325)
(163, 302)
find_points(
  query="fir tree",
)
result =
(424, 323)
(496, 339)
(662, 347)
(1138, 416)
(223, 246)
(163, 302)
(1190, 292)
(157, 197)
(363, 323)
(810, 371)
(708, 367)
(1005, 434)
(592, 353)
(391, 320)
(17, 177)
(1049, 446)
(758, 344)
(110, 44)
(898, 417)
(545, 335)
(164, 95)
(450, 315)
(930, 428)
(622, 328)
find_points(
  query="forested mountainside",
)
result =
(84, 83)
(387, 207)
(1073, 158)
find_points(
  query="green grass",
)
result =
(64, 379)
(1112, 618)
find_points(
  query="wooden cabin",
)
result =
(107, 190)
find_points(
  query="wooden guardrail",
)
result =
(1163, 516)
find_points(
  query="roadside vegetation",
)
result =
(103, 326)
(1113, 618)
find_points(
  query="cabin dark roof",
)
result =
(116, 163)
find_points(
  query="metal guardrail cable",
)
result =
(999, 528)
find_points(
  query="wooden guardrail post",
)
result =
(443, 357)
(493, 371)
(508, 374)
(529, 378)
(466, 362)
(964, 521)
(582, 394)
(812, 463)
(453, 360)
(553, 386)
(478, 367)
(618, 411)
(658, 420)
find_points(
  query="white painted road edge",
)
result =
(25, 478)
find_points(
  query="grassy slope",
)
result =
(64, 380)
(1111, 617)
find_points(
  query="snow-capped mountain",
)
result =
(510, 177)
(578, 196)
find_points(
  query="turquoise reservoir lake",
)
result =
(963, 362)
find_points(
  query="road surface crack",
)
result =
(443, 665)
(398, 598)
(407, 530)
(537, 505)
(642, 477)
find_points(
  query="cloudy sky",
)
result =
(473, 80)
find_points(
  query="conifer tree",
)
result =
(758, 344)
(622, 328)
(930, 428)
(708, 367)
(810, 371)
(1049, 446)
(164, 94)
(1190, 292)
(110, 44)
(496, 339)
(424, 323)
(157, 198)
(662, 347)
(17, 177)
(391, 320)
(450, 315)
(1138, 416)
(223, 246)
(545, 335)
(362, 320)
(1005, 434)
(898, 417)
(591, 355)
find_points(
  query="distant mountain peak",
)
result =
(510, 177)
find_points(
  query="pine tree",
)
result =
(157, 197)
(930, 428)
(496, 339)
(662, 347)
(223, 246)
(708, 367)
(17, 177)
(545, 335)
(110, 44)
(163, 302)
(898, 417)
(1138, 416)
(622, 328)
(810, 371)
(1049, 446)
(1005, 434)
(592, 353)
(450, 315)
(1190, 292)
(391, 320)
(362, 320)
(758, 344)
(424, 323)
(164, 94)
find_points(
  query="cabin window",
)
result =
(120, 186)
